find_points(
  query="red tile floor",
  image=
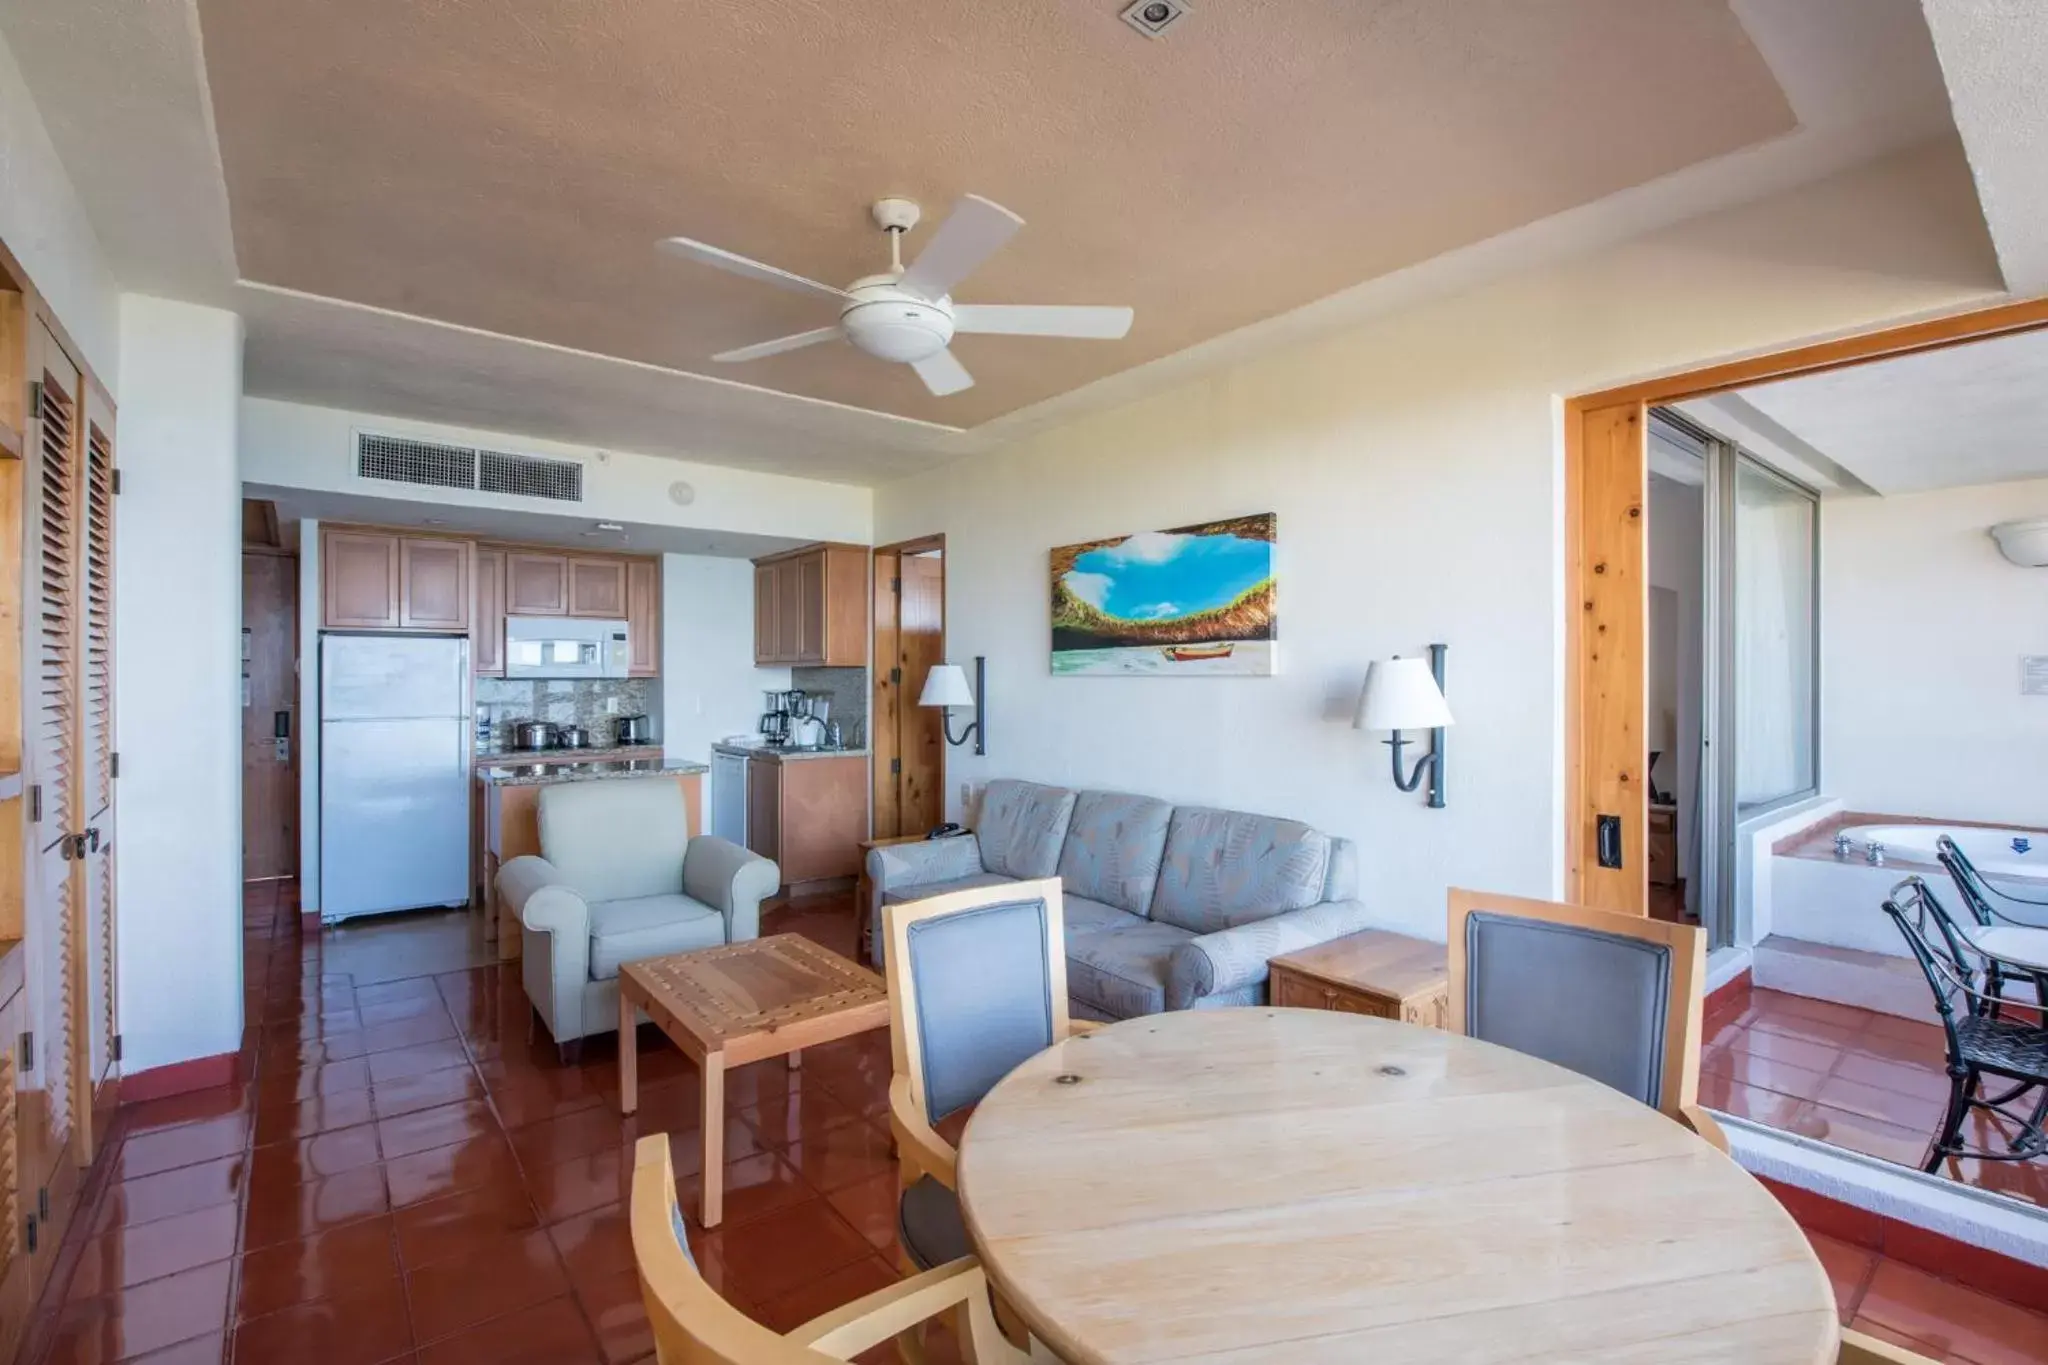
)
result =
(405, 1177)
(1872, 1083)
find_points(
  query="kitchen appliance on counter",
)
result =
(571, 737)
(395, 755)
(629, 730)
(775, 720)
(565, 647)
(533, 735)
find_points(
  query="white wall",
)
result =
(1414, 466)
(44, 225)
(1923, 624)
(294, 445)
(177, 633)
(709, 686)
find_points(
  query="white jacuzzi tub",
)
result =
(1995, 852)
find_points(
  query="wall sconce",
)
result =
(946, 687)
(1406, 694)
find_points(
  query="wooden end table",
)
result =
(740, 1003)
(1386, 975)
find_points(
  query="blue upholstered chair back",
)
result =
(1595, 1002)
(982, 982)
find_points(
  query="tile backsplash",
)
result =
(848, 689)
(503, 702)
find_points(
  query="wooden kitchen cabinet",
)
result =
(811, 607)
(385, 580)
(808, 814)
(536, 584)
(643, 617)
(487, 639)
(597, 588)
(433, 584)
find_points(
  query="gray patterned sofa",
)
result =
(1167, 908)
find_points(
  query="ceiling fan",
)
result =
(908, 315)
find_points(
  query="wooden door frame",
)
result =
(1607, 591)
(298, 738)
(878, 684)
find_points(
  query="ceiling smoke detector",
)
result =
(1154, 17)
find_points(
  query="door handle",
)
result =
(1609, 840)
(281, 725)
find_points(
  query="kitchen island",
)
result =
(510, 793)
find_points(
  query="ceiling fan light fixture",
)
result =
(901, 329)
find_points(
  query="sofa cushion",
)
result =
(1123, 974)
(1225, 867)
(616, 840)
(1113, 847)
(623, 931)
(1021, 827)
(926, 890)
(1084, 916)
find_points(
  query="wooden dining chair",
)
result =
(977, 984)
(1613, 996)
(1858, 1349)
(694, 1325)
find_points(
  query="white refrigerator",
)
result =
(395, 754)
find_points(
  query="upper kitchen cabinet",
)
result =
(536, 584)
(811, 607)
(597, 588)
(488, 647)
(382, 580)
(643, 618)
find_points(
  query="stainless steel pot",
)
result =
(572, 737)
(534, 734)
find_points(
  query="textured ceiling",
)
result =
(1940, 419)
(508, 166)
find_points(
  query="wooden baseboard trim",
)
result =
(180, 1078)
(1944, 1257)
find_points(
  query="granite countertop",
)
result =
(543, 774)
(787, 753)
(491, 754)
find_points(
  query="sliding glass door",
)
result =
(1776, 698)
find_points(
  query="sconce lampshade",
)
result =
(1400, 694)
(946, 685)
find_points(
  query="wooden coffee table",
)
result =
(740, 1003)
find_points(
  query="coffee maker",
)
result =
(775, 720)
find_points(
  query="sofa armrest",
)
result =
(900, 867)
(1231, 959)
(732, 881)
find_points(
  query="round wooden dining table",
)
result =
(1244, 1185)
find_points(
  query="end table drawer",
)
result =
(1296, 992)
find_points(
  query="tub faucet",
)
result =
(1875, 853)
(1843, 846)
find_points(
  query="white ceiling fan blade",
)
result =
(781, 344)
(718, 257)
(975, 230)
(1042, 320)
(943, 373)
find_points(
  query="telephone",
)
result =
(948, 830)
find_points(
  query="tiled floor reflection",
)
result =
(408, 1178)
(1873, 1083)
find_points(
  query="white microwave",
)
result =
(565, 647)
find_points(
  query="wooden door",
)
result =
(1607, 632)
(884, 727)
(49, 1096)
(536, 584)
(597, 588)
(643, 618)
(487, 629)
(810, 595)
(767, 611)
(97, 1076)
(789, 611)
(270, 729)
(359, 580)
(921, 643)
(433, 584)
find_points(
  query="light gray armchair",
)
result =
(619, 879)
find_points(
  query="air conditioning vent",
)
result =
(530, 476)
(399, 460)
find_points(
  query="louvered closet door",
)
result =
(50, 657)
(97, 1070)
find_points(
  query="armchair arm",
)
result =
(542, 898)
(919, 1147)
(730, 880)
(555, 957)
(1233, 958)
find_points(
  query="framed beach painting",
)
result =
(1195, 600)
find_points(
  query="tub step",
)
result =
(1847, 976)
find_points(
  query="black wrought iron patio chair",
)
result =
(1979, 895)
(1980, 1042)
